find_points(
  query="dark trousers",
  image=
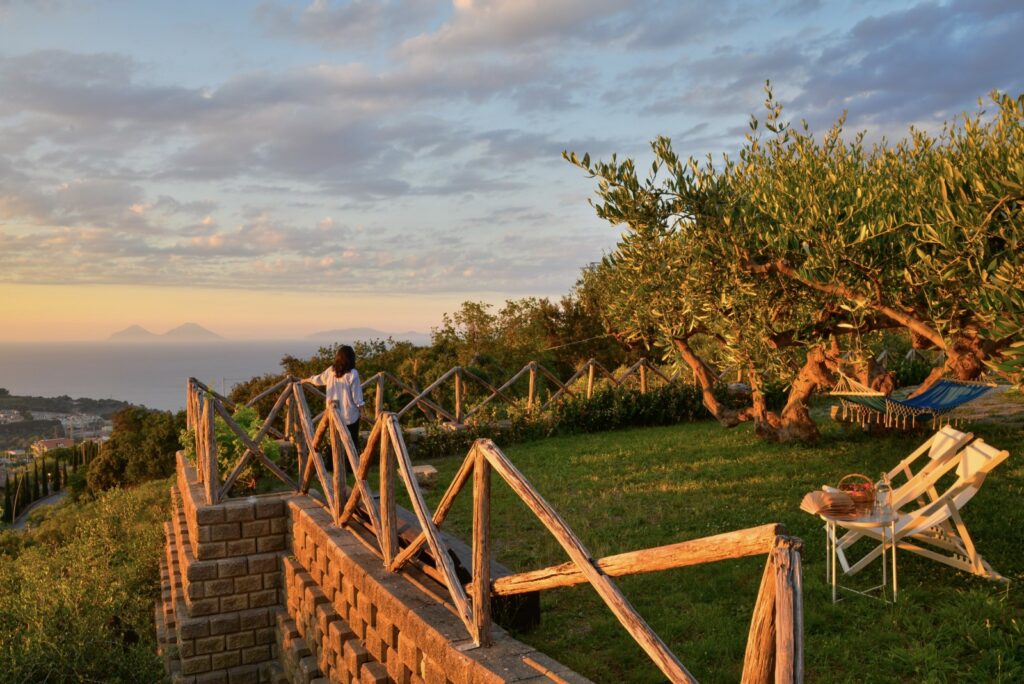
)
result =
(353, 430)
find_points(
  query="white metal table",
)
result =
(885, 524)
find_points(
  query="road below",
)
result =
(47, 501)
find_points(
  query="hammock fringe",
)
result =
(866, 405)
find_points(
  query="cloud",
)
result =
(348, 25)
(921, 64)
(430, 133)
(493, 25)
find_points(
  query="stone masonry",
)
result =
(265, 589)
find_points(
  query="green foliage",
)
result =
(141, 448)
(77, 591)
(24, 433)
(494, 345)
(610, 408)
(230, 449)
(5, 514)
(798, 241)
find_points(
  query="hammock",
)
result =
(866, 404)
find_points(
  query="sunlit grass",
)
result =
(639, 488)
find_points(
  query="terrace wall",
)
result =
(265, 589)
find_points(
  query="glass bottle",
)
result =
(883, 497)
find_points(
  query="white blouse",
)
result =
(346, 392)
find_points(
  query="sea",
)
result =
(151, 374)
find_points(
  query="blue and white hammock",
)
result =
(867, 405)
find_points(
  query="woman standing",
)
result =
(343, 389)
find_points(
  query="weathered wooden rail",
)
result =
(642, 372)
(459, 393)
(775, 640)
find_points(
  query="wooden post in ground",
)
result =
(532, 396)
(459, 388)
(378, 400)
(789, 618)
(211, 482)
(189, 420)
(480, 592)
(200, 440)
(759, 659)
(337, 462)
(643, 377)
(388, 521)
(590, 378)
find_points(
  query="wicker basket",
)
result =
(860, 488)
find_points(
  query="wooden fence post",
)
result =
(759, 659)
(378, 402)
(211, 482)
(459, 389)
(789, 619)
(189, 421)
(481, 587)
(590, 378)
(643, 377)
(200, 440)
(532, 396)
(388, 521)
(337, 462)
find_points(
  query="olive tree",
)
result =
(781, 260)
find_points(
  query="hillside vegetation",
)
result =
(105, 408)
(77, 591)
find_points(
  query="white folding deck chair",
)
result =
(940, 447)
(937, 523)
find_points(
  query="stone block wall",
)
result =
(266, 589)
(222, 577)
(349, 620)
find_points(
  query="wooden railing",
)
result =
(462, 379)
(775, 641)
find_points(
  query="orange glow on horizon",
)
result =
(62, 313)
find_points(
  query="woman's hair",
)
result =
(344, 360)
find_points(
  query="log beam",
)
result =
(754, 541)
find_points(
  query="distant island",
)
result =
(187, 332)
(352, 334)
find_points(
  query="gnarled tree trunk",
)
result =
(707, 378)
(965, 360)
(794, 422)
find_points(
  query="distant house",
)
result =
(42, 446)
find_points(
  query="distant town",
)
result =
(31, 426)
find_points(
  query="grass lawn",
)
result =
(639, 488)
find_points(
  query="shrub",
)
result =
(911, 371)
(609, 408)
(141, 448)
(230, 450)
(77, 592)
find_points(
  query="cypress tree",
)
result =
(56, 477)
(18, 495)
(36, 492)
(7, 497)
(64, 475)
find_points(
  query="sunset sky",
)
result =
(276, 165)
